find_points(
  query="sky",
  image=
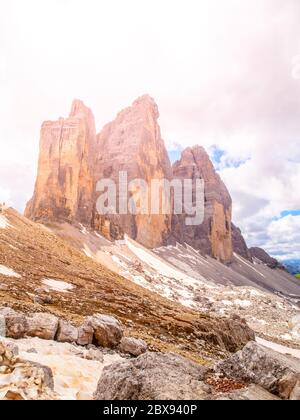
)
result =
(225, 75)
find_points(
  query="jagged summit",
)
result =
(73, 159)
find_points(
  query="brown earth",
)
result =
(35, 253)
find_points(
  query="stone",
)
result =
(153, 376)
(66, 333)
(277, 373)
(239, 244)
(64, 189)
(251, 393)
(85, 335)
(214, 236)
(108, 331)
(13, 323)
(24, 380)
(133, 346)
(42, 325)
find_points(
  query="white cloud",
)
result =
(284, 237)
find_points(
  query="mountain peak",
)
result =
(79, 109)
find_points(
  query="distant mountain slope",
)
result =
(180, 273)
(293, 266)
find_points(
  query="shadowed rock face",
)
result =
(239, 244)
(64, 189)
(133, 143)
(214, 236)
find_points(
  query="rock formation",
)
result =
(214, 236)
(133, 143)
(275, 372)
(153, 376)
(73, 160)
(264, 257)
(64, 189)
(239, 244)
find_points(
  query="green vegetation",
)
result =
(298, 276)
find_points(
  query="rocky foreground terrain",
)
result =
(74, 329)
(141, 307)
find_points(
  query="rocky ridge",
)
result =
(73, 159)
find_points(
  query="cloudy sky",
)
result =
(225, 74)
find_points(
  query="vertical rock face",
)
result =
(133, 143)
(213, 237)
(73, 159)
(239, 244)
(64, 189)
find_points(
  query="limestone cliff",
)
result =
(239, 244)
(64, 189)
(133, 143)
(73, 159)
(213, 237)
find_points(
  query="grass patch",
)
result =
(298, 276)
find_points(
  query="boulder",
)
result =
(94, 354)
(133, 346)
(23, 380)
(133, 143)
(67, 333)
(108, 331)
(153, 376)
(13, 324)
(42, 325)
(275, 372)
(85, 335)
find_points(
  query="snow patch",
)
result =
(86, 250)
(243, 303)
(3, 222)
(75, 378)
(5, 271)
(58, 285)
(279, 348)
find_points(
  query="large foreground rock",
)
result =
(108, 331)
(133, 346)
(67, 333)
(153, 376)
(12, 323)
(23, 380)
(275, 372)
